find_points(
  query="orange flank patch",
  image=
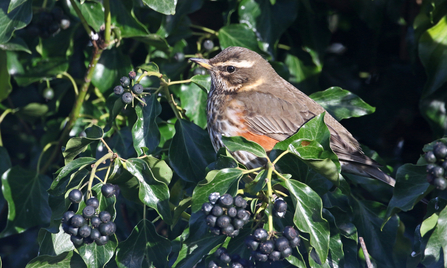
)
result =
(266, 142)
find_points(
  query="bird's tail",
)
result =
(367, 171)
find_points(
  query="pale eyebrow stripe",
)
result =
(237, 64)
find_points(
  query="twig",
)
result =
(365, 253)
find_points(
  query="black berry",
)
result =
(94, 202)
(179, 56)
(430, 157)
(219, 252)
(213, 197)
(287, 252)
(440, 183)
(95, 234)
(440, 150)
(211, 220)
(102, 240)
(77, 240)
(217, 211)
(127, 97)
(258, 256)
(281, 243)
(137, 89)
(105, 216)
(289, 232)
(275, 256)
(243, 215)
(106, 228)
(67, 216)
(260, 234)
(73, 230)
(108, 190)
(251, 243)
(96, 221)
(437, 171)
(267, 247)
(232, 212)
(118, 90)
(125, 81)
(238, 223)
(226, 200)
(132, 75)
(294, 242)
(214, 230)
(77, 221)
(240, 202)
(75, 196)
(228, 230)
(206, 208)
(88, 212)
(65, 23)
(223, 221)
(212, 264)
(225, 257)
(280, 205)
(85, 231)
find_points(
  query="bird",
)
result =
(248, 98)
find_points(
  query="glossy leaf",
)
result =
(66, 174)
(12, 20)
(25, 192)
(239, 143)
(238, 35)
(193, 100)
(152, 192)
(191, 151)
(112, 65)
(436, 249)
(145, 131)
(308, 216)
(160, 169)
(96, 256)
(74, 147)
(165, 7)
(54, 244)
(44, 68)
(216, 181)
(114, 105)
(64, 260)
(124, 18)
(15, 44)
(94, 133)
(267, 20)
(143, 243)
(433, 55)
(5, 78)
(342, 104)
(411, 186)
(203, 81)
(93, 13)
(368, 218)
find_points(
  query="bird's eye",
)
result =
(231, 69)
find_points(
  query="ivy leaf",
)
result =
(191, 151)
(112, 65)
(124, 19)
(166, 7)
(239, 143)
(74, 147)
(308, 216)
(342, 104)
(411, 186)
(25, 192)
(64, 260)
(193, 100)
(203, 81)
(238, 35)
(12, 20)
(216, 181)
(5, 78)
(368, 218)
(98, 256)
(16, 44)
(143, 242)
(114, 105)
(66, 174)
(152, 192)
(436, 246)
(145, 131)
(42, 69)
(54, 244)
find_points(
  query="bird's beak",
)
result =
(202, 62)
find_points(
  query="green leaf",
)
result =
(303, 74)
(411, 186)
(42, 69)
(143, 242)
(342, 104)
(152, 191)
(239, 143)
(238, 35)
(315, 134)
(13, 20)
(193, 100)
(94, 133)
(74, 147)
(436, 248)
(112, 65)
(216, 181)
(166, 7)
(5, 78)
(191, 151)
(203, 81)
(145, 131)
(124, 19)
(15, 44)
(54, 244)
(33, 110)
(93, 13)
(368, 218)
(114, 105)
(267, 20)
(160, 169)
(308, 216)
(64, 260)
(25, 192)
(67, 173)
(150, 67)
(96, 256)
(192, 251)
(434, 56)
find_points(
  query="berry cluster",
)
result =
(126, 90)
(90, 226)
(49, 23)
(224, 259)
(264, 249)
(437, 166)
(225, 215)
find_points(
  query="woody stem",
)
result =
(270, 168)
